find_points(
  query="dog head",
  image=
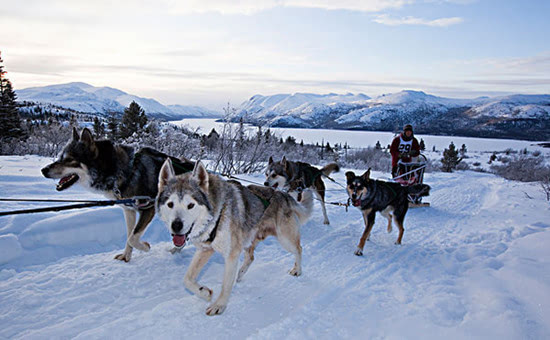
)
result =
(73, 162)
(357, 186)
(276, 173)
(182, 203)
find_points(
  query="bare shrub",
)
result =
(523, 168)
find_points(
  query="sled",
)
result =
(410, 173)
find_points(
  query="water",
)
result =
(361, 139)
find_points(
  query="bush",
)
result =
(370, 157)
(523, 168)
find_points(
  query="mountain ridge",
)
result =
(83, 97)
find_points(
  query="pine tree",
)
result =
(10, 121)
(463, 150)
(99, 127)
(133, 120)
(450, 159)
(112, 126)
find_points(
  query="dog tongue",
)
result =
(179, 240)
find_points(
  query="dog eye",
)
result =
(170, 205)
(190, 206)
(273, 175)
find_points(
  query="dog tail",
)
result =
(419, 189)
(330, 168)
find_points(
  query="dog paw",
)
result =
(123, 257)
(359, 252)
(205, 293)
(147, 246)
(327, 222)
(215, 309)
(295, 271)
(397, 243)
(240, 276)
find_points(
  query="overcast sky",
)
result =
(209, 53)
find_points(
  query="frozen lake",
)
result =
(360, 139)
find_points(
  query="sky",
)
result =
(210, 53)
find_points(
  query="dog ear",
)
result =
(366, 175)
(76, 137)
(166, 173)
(86, 137)
(284, 162)
(270, 160)
(201, 175)
(350, 175)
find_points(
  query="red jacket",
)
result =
(395, 152)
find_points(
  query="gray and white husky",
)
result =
(116, 171)
(226, 217)
(280, 174)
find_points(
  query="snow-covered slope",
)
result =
(516, 116)
(89, 99)
(473, 265)
(297, 110)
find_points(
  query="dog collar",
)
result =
(215, 230)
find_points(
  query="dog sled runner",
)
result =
(411, 173)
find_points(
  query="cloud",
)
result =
(384, 19)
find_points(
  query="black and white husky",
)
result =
(116, 171)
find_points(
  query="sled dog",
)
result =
(117, 172)
(226, 217)
(388, 198)
(279, 174)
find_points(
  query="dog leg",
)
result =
(399, 223)
(387, 213)
(200, 258)
(145, 218)
(368, 218)
(248, 258)
(130, 217)
(230, 272)
(291, 242)
(320, 193)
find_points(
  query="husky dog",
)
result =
(389, 198)
(226, 217)
(279, 174)
(117, 172)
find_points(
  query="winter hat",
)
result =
(408, 127)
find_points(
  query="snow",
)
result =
(473, 265)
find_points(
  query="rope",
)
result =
(138, 202)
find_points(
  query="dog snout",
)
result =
(177, 226)
(45, 171)
(266, 184)
(353, 196)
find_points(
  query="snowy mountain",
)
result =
(515, 116)
(474, 265)
(296, 110)
(90, 99)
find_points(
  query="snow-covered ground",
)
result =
(475, 264)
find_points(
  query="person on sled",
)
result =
(404, 147)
